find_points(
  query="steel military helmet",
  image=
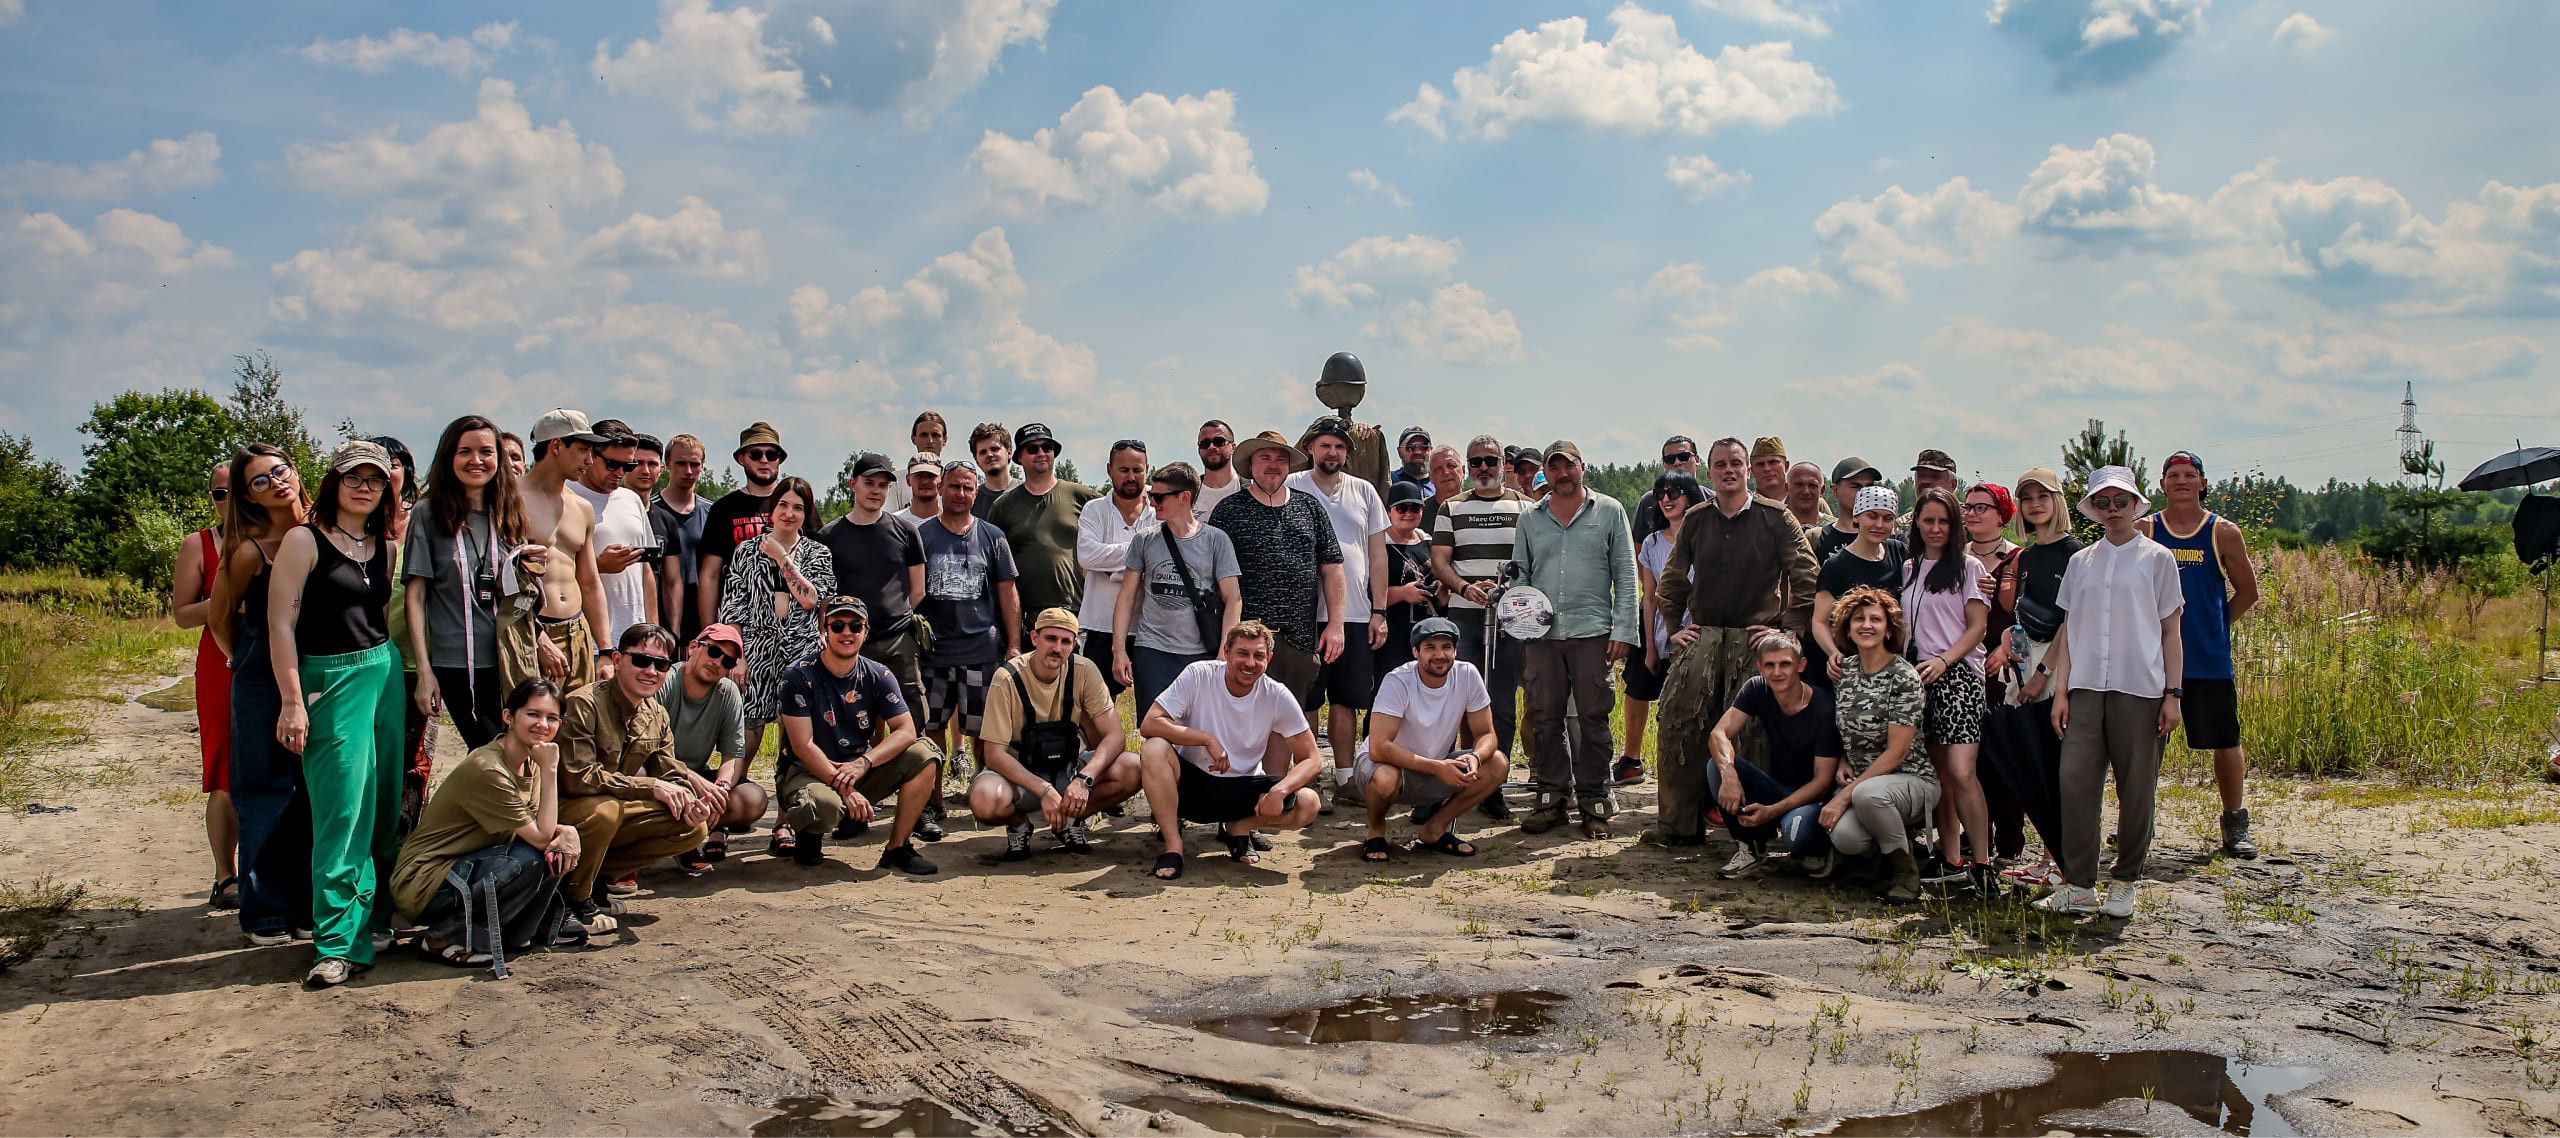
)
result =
(1343, 383)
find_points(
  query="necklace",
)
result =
(364, 561)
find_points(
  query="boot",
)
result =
(1547, 814)
(1901, 877)
(2235, 835)
(1595, 815)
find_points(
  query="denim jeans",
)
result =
(529, 902)
(1801, 827)
(1155, 671)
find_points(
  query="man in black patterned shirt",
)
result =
(1288, 558)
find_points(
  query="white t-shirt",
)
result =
(1199, 700)
(1357, 512)
(1430, 716)
(622, 518)
(1207, 500)
(1102, 549)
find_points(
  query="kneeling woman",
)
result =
(1891, 789)
(339, 676)
(482, 870)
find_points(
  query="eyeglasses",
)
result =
(2112, 501)
(278, 473)
(1213, 442)
(373, 482)
(761, 454)
(1492, 460)
(1980, 508)
(844, 627)
(220, 494)
(646, 662)
(1679, 456)
(723, 655)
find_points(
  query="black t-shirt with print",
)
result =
(738, 518)
(1280, 554)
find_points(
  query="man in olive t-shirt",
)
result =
(1039, 519)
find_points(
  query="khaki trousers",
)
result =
(619, 835)
(2110, 731)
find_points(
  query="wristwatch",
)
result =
(1084, 778)
(2174, 693)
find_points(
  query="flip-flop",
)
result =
(1240, 847)
(1172, 861)
(225, 894)
(1448, 843)
(1374, 850)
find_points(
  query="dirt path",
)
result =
(2396, 961)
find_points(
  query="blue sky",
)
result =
(1866, 227)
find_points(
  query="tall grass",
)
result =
(60, 632)
(2347, 668)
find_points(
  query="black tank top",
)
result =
(344, 601)
(253, 601)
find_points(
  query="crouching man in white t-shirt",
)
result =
(1412, 756)
(1205, 742)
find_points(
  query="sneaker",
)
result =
(809, 850)
(1746, 860)
(301, 933)
(270, 940)
(1075, 838)
(1942, 873)
(382, 942)
(1629, 771)
(929, 824)
(1325, 803)
(1985, 880)
(905, 859)
(616, 905)
(693, 862)
(2235, 835)
(1819, 864)
(2043, 873)
(592, 918)
(330, 972)
(2071, 899)
(1017, 841)
(2119, 902)
(1261, 842)
(623, 886)
(849, 829)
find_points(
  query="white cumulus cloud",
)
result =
(166, 164)
(954, 330)
(1644, 79)
(748, 70)
(458, 56)
(1454, 324)
(2100, 43)
(692, 240)
(1355, 275)
(57, 272)
(1181, 154)
(1870, 241)
(2104, 198)
(1370, 183)
(1699, 178)
(1404, 280)
(2302, 35)
(1798, 17)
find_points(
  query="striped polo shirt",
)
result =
(1477, 532)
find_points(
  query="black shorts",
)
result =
(1351, 680)
(1097, 648)
(1214, 799)
(1297, 671)
(2212, 710)
(1644, 685)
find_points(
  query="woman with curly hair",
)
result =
(1891, 789)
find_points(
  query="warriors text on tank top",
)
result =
(2205, 627)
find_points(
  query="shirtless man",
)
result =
(561, 550)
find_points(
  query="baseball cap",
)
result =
(1563, 447)
(846, 606)
(1770, 446)
(1514, 456)
(1434, 626)
(722, 634)
(1033, 433)
(924, 460)
(563, 423)
(1412, 433)
(1334, 425)
(1407, 493)
(1935, 460)
(2185, 456)
(360, 453)
(869, 462)
(1851, 467)
(2041, 476)
(1055, 617)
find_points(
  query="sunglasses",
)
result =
(2112, 501)
(1406, 507)
(1213, 442)
(646, 662)
(275, 474)
(221, 495)
(723, 655)
(1039, 448)
(1157, 497)
(1138, 445)
(374, 482)
(844, 627)
(761, 454)
(1679, 456)
(619, 467)
(1492, 460)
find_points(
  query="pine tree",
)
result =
(260, 414)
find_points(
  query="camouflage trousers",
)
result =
(1697, 687)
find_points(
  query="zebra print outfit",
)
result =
(774, 643)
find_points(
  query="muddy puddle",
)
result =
(817, 1116)
(2229, 1096)
(1237, 1117)
(1431, 1018)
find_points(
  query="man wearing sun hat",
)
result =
(1288, 560)
(2118, 662)
(2221, 586)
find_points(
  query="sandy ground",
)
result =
(2405, 961)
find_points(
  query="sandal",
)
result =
(1172, 861)
(1448, 843)
(715, 847)
(456, 955)
(783, 842)
(1240, 847)
(225, 894)
(1374, 850)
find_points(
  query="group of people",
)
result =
(612, 643)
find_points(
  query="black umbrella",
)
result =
(2515, 468)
